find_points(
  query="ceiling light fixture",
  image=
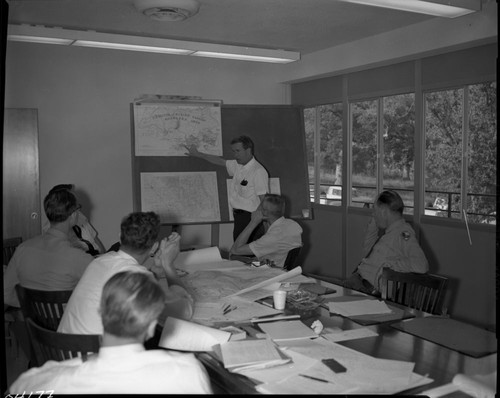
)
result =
(438, 8)
(167, 10)
(42, 34)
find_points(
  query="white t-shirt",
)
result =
(126, 369)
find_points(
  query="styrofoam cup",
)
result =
(279, 297)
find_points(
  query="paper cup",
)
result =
(279, 297)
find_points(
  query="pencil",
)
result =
(314, 378)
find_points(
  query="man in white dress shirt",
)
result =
(282, 234)
(139, 234)
(130, 305)
(248, 186)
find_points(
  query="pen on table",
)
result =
(315, 378)
(273, 318)
(228, 310)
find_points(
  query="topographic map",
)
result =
(181, 197)
(162, 129)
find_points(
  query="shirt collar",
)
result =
(120, 350)
(56, 232)
(122, 254)
(250, 164)
(395, 224)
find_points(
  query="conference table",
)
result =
(434, 360)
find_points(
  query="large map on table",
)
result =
(181, 197)
(163, 129)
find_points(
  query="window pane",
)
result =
(330, 159)
(482, 154)
(310, 127)
(399, 147)
(364, 152)
(443, 152)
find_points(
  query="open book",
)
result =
(250, 354)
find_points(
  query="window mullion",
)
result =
(465, 151)
(380, 146)
(317, 155)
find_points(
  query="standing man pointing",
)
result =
(248, 186)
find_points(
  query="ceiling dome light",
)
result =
(167, 10)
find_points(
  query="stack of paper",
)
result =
(359, 307)
(287, 330)
(250, 354)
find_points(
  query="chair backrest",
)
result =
(9, 247)
(292, 257)
(423, 292)
(43, 307)
(51, 345)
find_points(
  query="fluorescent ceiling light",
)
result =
(35, 39)
(42, 34)
(243, 57)
(132, 47)
(438, 8)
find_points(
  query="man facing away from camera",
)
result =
(130, 305)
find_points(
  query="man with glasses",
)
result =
(49, 261)
(83, 234)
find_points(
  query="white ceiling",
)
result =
(297, 25)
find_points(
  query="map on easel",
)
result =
(163, 129)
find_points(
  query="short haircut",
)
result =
(62, 187)
(277, 203)
(245, 141)
(139, 231)
(392, 200)
(59, 205)
(130, 301)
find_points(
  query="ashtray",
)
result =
(303, 301)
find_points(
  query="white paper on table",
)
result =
(257, 294)
(359, 307)
(369, 374)
(283, 276)
(198, 256)
(183, 335)
(287, 330)
(479, 386)
(205, 310)
(300, 363)
(352, 334)
(243, 310)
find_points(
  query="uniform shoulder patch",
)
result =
(406, 235)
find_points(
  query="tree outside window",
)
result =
(460, 153)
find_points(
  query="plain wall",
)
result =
(83, 99)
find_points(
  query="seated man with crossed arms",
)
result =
(130, 305)
(281, 236)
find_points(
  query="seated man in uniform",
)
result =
(129, 307)
(281, 234)
(138, 238)
(389, 242)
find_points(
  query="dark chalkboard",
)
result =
(278, 135)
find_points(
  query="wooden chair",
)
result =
(9, 247)
(51, 345)
(424, 292)
(43, 307)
